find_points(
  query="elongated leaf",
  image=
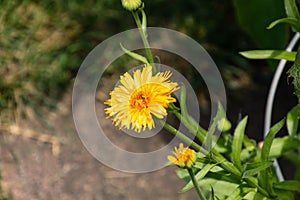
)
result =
(292, 121)
(237, 142)
(254, 195)
(201, 174)
(208, 142)
(294, 158)
(183, 107)
(290, 185)
(264, 177)
(291, 9)
(221, 187)
(284, 194)
(134, 55)
(292, 21)
(283, 145)
(265, 151)
(269, 54)
(212, 196)
(144, 22)
(240, 192)
(254, 168)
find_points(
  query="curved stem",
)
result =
(193, 178)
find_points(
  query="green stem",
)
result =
(144, 38)
(190, 124)
(192, 175)
(181, 136)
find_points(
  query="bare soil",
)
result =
(30, 170)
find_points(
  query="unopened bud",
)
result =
(131, 5)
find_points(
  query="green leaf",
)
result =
(294, 73)
(237, 142)
(265, 151)
(134, 55)
(254, 195)
(208, 142)
(292, 121)
(221, 187)
(294, 157)
(240, 192)
(212, 196)
(292, 21)
(291, 9)
(283, 145)
(200, 165)
(183, 107)
(255, 15)
(224, 125)
(290, 185)
(284, 194)
(144, 22)
(201, 174)
(269, 54)
(265, 176)
(251, 169)
(183, 174)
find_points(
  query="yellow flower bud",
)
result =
(131, 5)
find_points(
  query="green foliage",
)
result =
(237, 142)
(249, 177)
(254, 16)
(134, 55)
(293, 19)
(220, 116)
(288, 185)
(282, 145)
(251, 169)
(266, 175)
(294, 73)
(269, 54)
(292, 120)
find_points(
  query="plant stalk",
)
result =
(196, 186)
(144, 38)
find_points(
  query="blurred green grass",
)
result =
(43, 43)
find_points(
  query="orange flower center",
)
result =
(139, 100)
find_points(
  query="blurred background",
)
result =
(42, 45)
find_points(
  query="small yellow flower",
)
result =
(131, 4)
(137, 98)
(183, 156)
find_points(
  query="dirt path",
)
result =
(30, 171)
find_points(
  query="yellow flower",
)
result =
(131, 4)
(183, 156)
(137, 98)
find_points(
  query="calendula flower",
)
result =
(131, 4)
(137, 98)
(183, 156)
